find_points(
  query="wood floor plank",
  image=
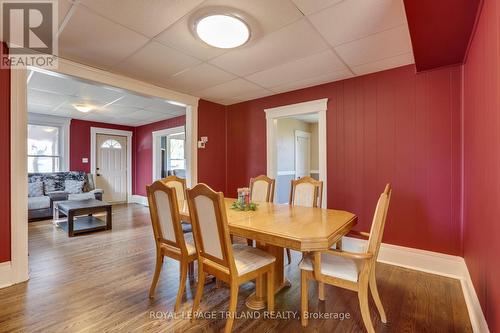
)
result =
(99, 282)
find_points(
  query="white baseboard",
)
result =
(139, 199)
(429, 262)
(5, 274)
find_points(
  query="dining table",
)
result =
(275, 227)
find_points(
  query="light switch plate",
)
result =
(85, 160)
(204, 139)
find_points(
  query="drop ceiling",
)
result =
(52, 94)
(298, 43)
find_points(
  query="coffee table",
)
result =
(80, 215)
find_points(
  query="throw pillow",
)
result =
(35, 189)
(49, 185)
(73, 186)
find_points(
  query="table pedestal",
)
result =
(257, 300)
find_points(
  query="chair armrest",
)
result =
(349, 255)
(359, 233)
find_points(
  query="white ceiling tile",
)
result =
(389, 43)
(159, 105)
(321, 79)
(147, 17)
(53, 83)
(99, 94)
(387, 63)
(37, 108)
(63, 7)
(230, 89)
(310, 6)
(132, 100)
(353, 19)
(91, 39)
(249, 96)
(292, 42)
(200, 77)
(155, 63)
(45, 98)
(142, 114)
(312, 66)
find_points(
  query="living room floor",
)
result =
(99, 282)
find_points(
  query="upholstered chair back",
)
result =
(262, 189)
(307, 192)
(210, 228)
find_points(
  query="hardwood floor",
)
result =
(99, 282)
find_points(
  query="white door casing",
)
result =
(157, 135)
(273, 114)
(111, 167)
(302, 154)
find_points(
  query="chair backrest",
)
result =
(210, 228)
(262, 189)
(164, 212)
(378, 223)
(307, 192)
(179, 184)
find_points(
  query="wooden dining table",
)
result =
(278, 226)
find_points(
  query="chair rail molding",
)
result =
(273, 114)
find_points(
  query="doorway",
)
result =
(111, 167)
(169, 153)
(281, 159)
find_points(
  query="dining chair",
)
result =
(233, 264)
(350, 270)
(169, 238)
(261, 190)
(307, 192)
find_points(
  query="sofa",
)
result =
(46, 188)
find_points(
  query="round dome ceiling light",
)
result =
(222, 31)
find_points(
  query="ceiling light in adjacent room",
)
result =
(83, 107)
(222, 31)
(176, 103)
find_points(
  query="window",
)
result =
(176, 150)
(112, 144)
(44, 144)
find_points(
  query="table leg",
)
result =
(109, 224)
(70, 224)
(257, 300)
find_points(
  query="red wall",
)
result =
(394, 126)
(5, 163)
(212, 159)
(142, 159)
(79, 142)
(482, 162)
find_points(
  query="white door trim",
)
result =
(273, 114)
(156, 157)
(93, 153)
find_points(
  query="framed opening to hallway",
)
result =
(274, 114)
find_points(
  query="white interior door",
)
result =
(111, 167)
(302, 154)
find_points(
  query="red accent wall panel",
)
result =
(481, 231)
(5, 162)
(143, 156)
(79, 142)
(440, 30)
(393, 126)
(212, 159)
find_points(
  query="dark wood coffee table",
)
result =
(80, 216)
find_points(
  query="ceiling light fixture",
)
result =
(83, 107)
(223, 31)
(176, 103)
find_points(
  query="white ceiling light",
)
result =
(83, 107)
(222, 31)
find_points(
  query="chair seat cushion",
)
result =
(248, 259)
(42, 202)
(334, 266)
